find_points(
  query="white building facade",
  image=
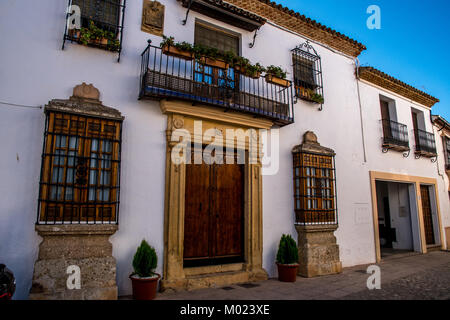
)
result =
(153, 201)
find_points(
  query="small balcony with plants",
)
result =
(204, 75)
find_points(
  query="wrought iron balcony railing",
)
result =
(395, 135)
(166, 76)
(425, 143)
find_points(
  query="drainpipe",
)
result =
(360, 109)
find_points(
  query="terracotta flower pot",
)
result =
(173, 51)
(243, 71)
(144, 288)
(74, 33)
(275, 80)
(216, 63)
(287, 272)
(302, 92)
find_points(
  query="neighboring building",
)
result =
(400, 146)
(211, 224)
(442, 132)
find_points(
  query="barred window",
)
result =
(307, 73)
(314, 189)
(104, 13)
(447, 152)
(107, 19)
(80, 166)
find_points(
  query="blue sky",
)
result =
(413, 44)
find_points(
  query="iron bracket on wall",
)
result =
(251, 45)
(187, 13)
(406, 154)
(434, 159)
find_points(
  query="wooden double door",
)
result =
(214, 214)
(427, 214)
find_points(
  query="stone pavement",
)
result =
(410, 276)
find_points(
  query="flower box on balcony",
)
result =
(278, 81)
(216, 63)
(173, 51)
(247, 73)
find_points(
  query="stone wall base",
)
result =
(85, 246)
(213, 280)
(318, 251)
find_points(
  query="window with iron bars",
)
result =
(314, 189)
(80, 170)
(446, 142)
(107, 15)
(307, 68)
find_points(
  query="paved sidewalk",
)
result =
(403, 277)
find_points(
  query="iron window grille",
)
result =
(107, 15)
(314, 189)
(80, 170)
(446, 143)
(307, 67)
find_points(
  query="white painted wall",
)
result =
(35, 70)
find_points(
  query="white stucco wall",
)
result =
(35, 70)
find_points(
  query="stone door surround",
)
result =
(181, 115)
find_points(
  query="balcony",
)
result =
(395, 136)
(425, 144)
(166, 76)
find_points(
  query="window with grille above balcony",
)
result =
(101, 23)
(307, 69)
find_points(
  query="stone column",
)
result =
(317, 250)
(86, 246)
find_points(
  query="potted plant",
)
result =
(181, 50)
(309, 94)
(243, 66)
(277, 75)
(75, 33)
(254, 71)
(144, 279)
(213, 58)
(93, 35)
(287, 259)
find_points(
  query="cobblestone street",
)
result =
(410, 276)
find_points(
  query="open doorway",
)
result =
(397, 218)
